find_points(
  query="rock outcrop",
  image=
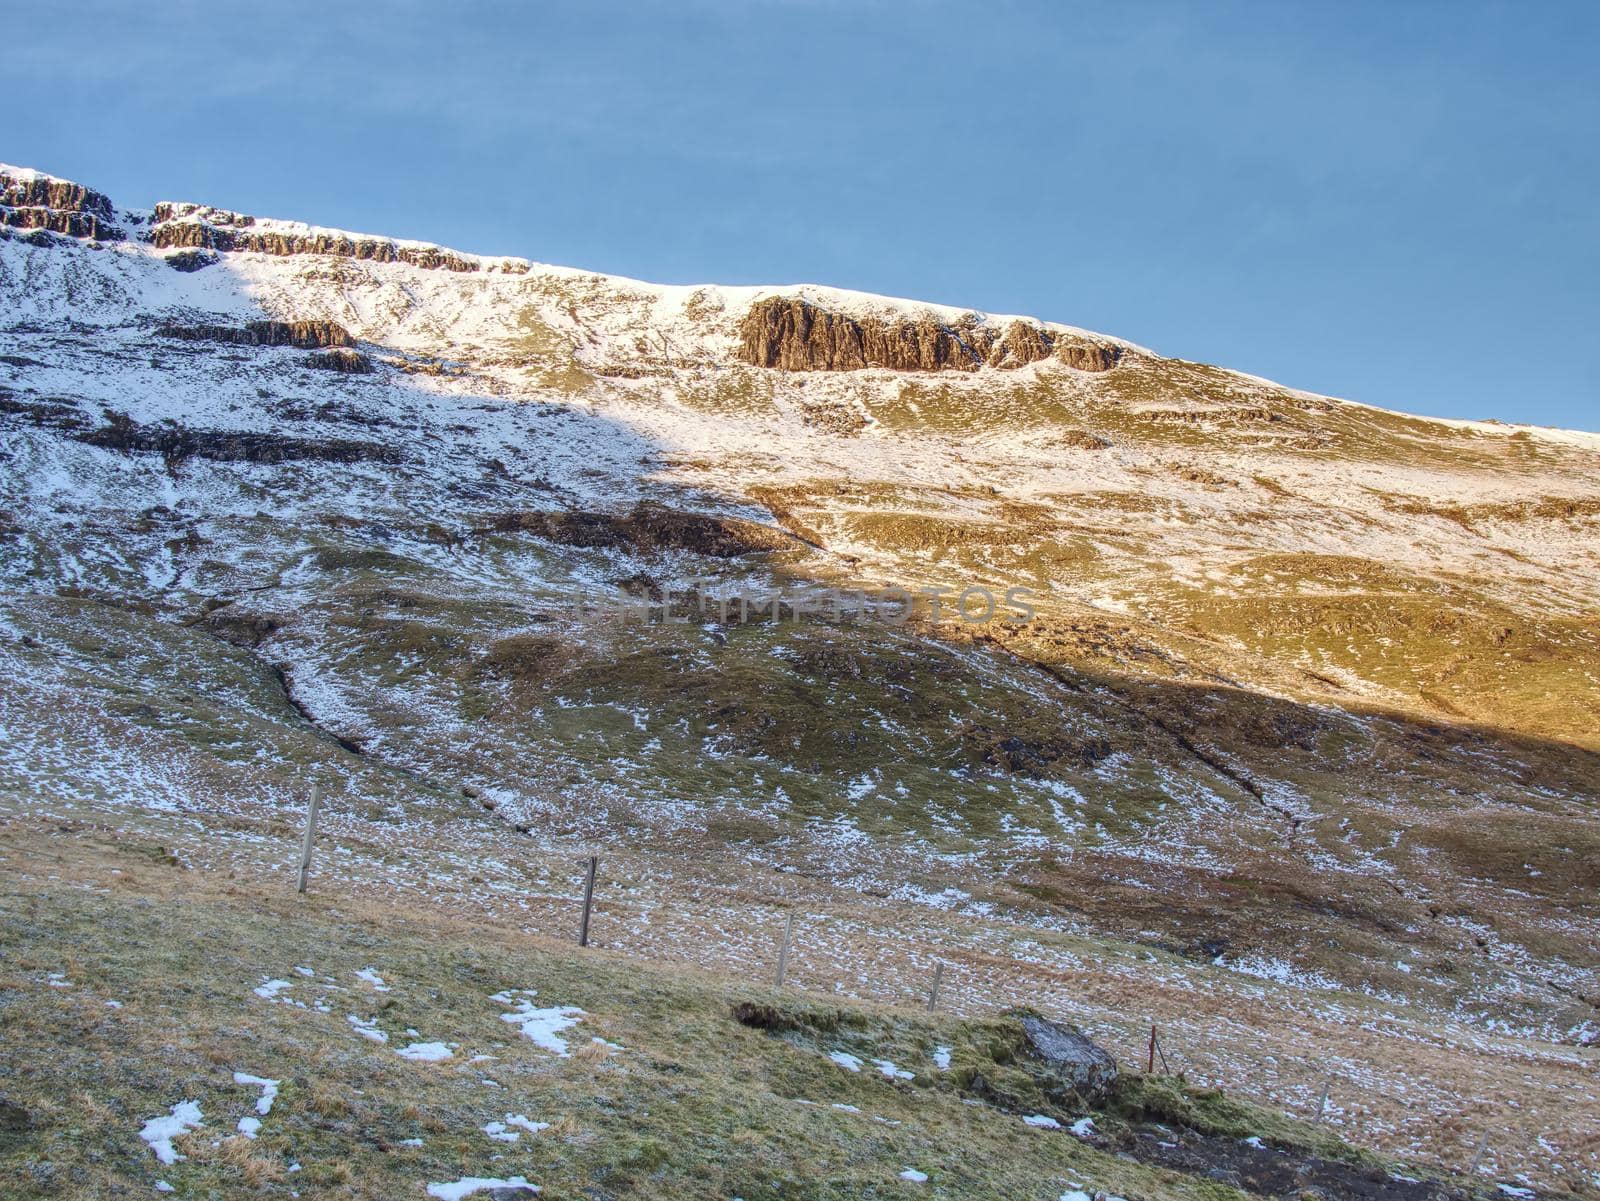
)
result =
(29, 200)
(341, 359)
(191, 260)
(196, 227)
(43, 191)
(60, 221)
(791, 334)
(307, 335)
(176, 443)
(647, 527)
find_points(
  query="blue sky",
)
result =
(1391, 202)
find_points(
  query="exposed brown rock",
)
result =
(57, 206)
(195, 227)
(191, 260)
(794, 335)
(1086, 355)
(177, 443)
(1021, 344)
(58, 194)
(647, 527)
(62, 221)
(341, 359)
(307, 335)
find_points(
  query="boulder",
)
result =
(1068, 1055)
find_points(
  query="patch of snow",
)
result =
(1083, 1127)
(467, 1185)
(367, 1028)
(250, 1124)
(1042, 1121)
(268, 990)
(542, 1026)
(159, 1132)
(502, 1130)
(844, 1059)
(425, 1052)
(269, 1090)
(372, 978)
(914, 1176)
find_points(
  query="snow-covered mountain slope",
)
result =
(1311, 688)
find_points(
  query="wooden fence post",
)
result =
(588, 900)
(783, 950)
(1322, 1104)
(310, 835)
(1477, 1156)
(933, 993)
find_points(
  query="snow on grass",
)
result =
(914, 1176)
(851, 1063)
(941, 1058)
(248, 1125)
(367, 1028)
(425, 1052)
(889, 1069)
(542, 1026)
(269, 1090)
(1042, 1121)
(1083, 1127)
(467, 1185)
(1253, 1141)
(503, 1132)
(371, 976)
(1264, 967)
(159, 1132)
(1075, 1194)
(269, 990)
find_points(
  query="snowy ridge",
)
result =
(659, 306)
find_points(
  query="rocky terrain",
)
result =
(1296, 755)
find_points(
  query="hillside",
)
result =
(1296, 757)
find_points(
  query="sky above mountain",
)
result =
(1391, 203)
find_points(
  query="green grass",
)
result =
(695, 1104)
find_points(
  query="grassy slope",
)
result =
(689, 1104)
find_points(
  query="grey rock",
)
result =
(1082, 1066)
